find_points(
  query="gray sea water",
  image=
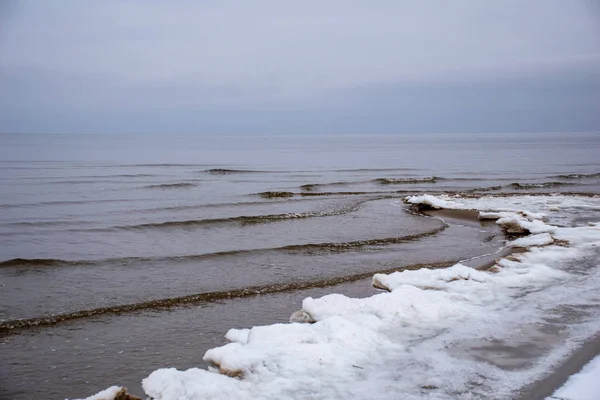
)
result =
(120, 254)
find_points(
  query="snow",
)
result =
(433, 201)
(585, 385)
(415, 338)
(107, 394)
(540, 239)
(238, 335)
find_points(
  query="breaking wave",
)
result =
(517, 185)
(403, 181)
(578, 176)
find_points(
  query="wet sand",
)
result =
(546, 386)
(470, 217)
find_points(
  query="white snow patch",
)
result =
(433, 201)
(541, 239)
(107, 394)
(238, 335)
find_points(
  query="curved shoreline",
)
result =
(231, 359)
(14, 326)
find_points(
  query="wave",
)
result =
(13, 326)
(242, 220)
(577, 176)
(517, 185)
(402, 181)
(82, 181)
(317, 194)
(462, 179)
(310, 248)
(164, 165)
(337, 247)
(226, 171)
(375, 169)
(483, 189)
(390, 181)
(383, 181)
(152, 210)
(179, 185)
(314, 186)
(210, 205)
(275, 195)
(40, 262)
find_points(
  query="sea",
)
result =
(121, 254)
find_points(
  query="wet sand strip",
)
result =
(545, 387)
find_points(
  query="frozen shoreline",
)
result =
(584, 385)
(551, 385)
(354, 340)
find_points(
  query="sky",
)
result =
(299, 67)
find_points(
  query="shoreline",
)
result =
(557, 377)
(268, 307)
(549, 384)
(469, 218)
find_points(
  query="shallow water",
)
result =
(111, 221)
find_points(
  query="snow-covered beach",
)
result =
(456, 332)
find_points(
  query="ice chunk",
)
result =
(111, 394)
(540, 239)
(428, 278)
(514, 223)
(238, 335)
(432, 201)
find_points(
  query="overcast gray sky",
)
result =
(273, 66)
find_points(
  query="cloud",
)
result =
(280, 66)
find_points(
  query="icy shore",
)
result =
(438, 334)
(585, 385)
